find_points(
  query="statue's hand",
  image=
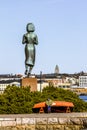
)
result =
(35, 41)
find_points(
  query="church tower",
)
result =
(56, 69)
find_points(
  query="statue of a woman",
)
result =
(30, 39)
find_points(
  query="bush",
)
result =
(17, 100)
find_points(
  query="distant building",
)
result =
(10, 77)
(56, 80)
(4, 84)
(83, 81)
(41, 85)
(56, 71)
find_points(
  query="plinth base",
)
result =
(32, 82)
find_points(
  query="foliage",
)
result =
(66, 95)
(18, 100)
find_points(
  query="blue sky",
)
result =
(61, 26)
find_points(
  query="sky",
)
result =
(61, 27)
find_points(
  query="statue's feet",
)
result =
(28, 75)
(26, 72)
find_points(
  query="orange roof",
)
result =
(62, 103)
(41, 104)
(54, 103)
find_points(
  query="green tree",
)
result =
(17, 100)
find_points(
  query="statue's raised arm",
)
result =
(30, 39)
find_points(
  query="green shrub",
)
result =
(17, 100)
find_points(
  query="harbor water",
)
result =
(83, 97)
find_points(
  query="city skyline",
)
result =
(61, 26)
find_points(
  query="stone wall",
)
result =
(56, 121)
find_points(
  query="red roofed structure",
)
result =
(56, 107)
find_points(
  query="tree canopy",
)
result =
(18, 100)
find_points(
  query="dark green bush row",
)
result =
(17, 100)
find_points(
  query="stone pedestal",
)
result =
(32, 82)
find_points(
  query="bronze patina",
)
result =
(30, 39)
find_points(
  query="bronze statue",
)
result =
(30, 39)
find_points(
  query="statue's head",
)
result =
(30, 27)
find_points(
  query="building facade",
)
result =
(4, 84)
(83, 81)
